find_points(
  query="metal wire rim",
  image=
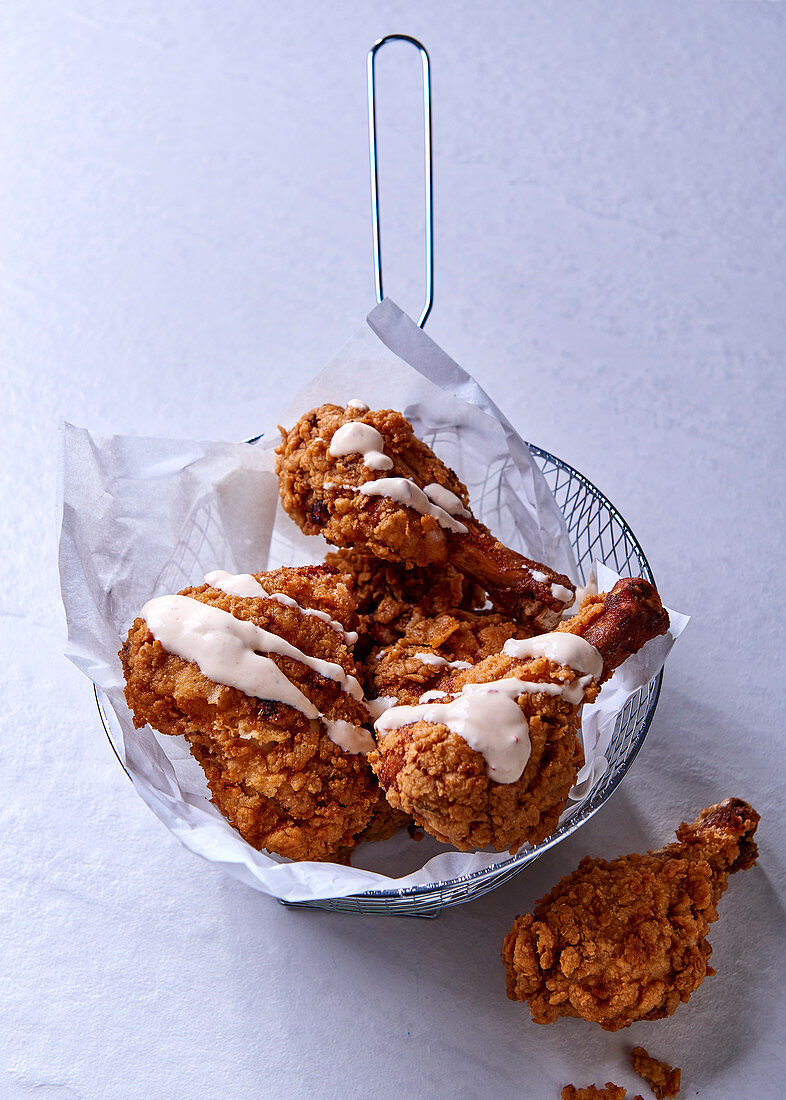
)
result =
(430, 899)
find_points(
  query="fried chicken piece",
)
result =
(662, 1079)
(618, 623)
(429, 769)
(419, 658)
(273, 771)
(595, 1092)
(360, 496)
(389, 595)
(626, 940)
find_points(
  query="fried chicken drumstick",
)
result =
(625, 940)
(362, 478)
(489, 755)
(257, 674)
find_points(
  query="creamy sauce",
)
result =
(487, 716)
(436, 661)
(404, 491)
(246, 585)
(350, 738)
(443, 498)
(562, 648)
(582, 591)
(229, 646)
(561, 593)
(356, 403)
(357, 438)
(558, 591)
(376, 707)
(430, 696)
(227, 651)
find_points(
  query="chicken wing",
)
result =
(626, 940)
(256, 673)
(488, 758)
(364, 479)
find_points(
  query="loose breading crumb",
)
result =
(662, 1079)
(595, 1092)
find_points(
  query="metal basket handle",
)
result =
(429, 184)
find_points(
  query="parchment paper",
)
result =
(145, 517)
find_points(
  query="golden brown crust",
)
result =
(509, 578)
(273, 773)
(595, 1092)
(434, 775)
(319, 491)
(465, 636)
(618, 623)
(625, 940)
(723, 836)
(390, 596)
(662, 1079)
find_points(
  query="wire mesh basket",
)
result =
(597, 532)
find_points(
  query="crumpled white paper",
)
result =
(146, 517)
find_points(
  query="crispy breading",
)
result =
(662, 1079)
(321, 492)
(318, 490)
(465, 636)
(595, 1092)
(625, 940)
(390, 596)
(432, 773)
(274, 774)
(384, 823)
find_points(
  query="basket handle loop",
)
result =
(372, 152)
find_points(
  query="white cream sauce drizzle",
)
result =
(436, 661)
(582, 591)
(430, 696)
(246, 585)
(350, 738)
(487, 716)
(558, 591)
(562, 648)
(443, 498)
(561, 593)
(404, 491)
(357, 438)
(232, 651)
(376, 707)
(356, 403)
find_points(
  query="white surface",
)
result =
(179, 184)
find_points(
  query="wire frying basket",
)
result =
(597, 532)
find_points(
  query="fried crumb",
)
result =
(609, 1091)
(662, 1079)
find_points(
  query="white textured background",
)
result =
(185, 239)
